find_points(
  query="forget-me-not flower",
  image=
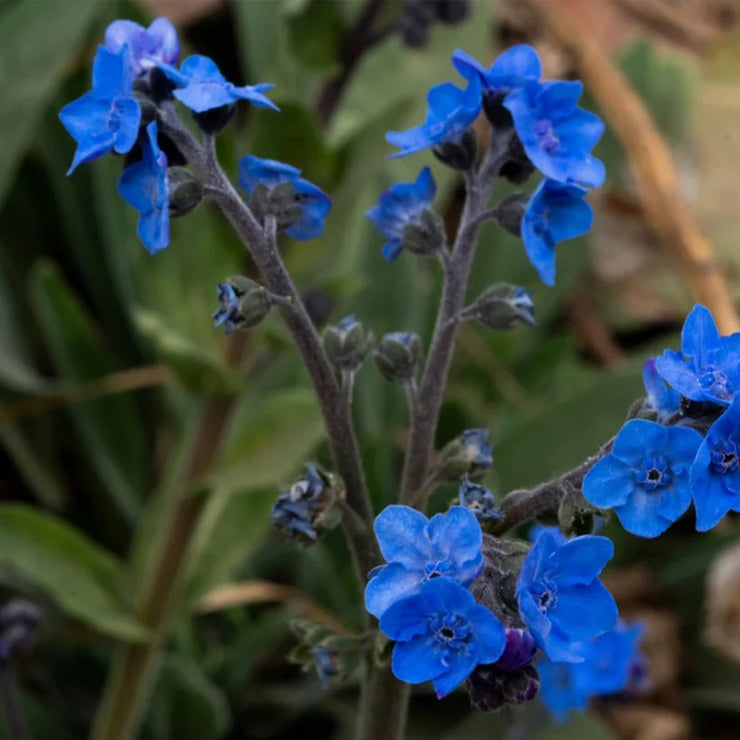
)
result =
(645, 478)
(202, 87)
(610, 663)
(402, 204)
(441, 635)
(450, 112)
(314, 203)
(108, 116)
(147, 47)
(708, 366)
(557, 135)
(555, 212)
(561, 599)
(513, 68)
(715, 474)
(144, 186)
(418, 550)
(297, 511)
(479, 500)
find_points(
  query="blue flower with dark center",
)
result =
(402, 204)
(227, 314)
(147, 47)
(476, 448)
(144, 185)
(661, 399)
(314, 203)
(479, 500)
(708, 366)
(555, 212)
(557, 135)
(107, 117)
(203, 87)
(515, 67)
(715, 474)
(418, 550)
(441, 635)
(561, 599)
(645, 478)
(450, 113)
(609, 665)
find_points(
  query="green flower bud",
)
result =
(502, 306)
(397, 356)
(243, 304)
(428, 236)
(185, 192)
(346, 344)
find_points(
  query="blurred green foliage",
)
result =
(80, 299)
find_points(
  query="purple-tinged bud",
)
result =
(519, 650)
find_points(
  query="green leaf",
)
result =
(316, 34)
(197, 369)
(190, 706)
(109, 428)
(81, 577)
(36, 46)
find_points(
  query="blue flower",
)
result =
(708, 366)
(402, 204)
(476, 448)
(418, 550)
(107, 117)
(147, 47)
(227, 314)
(144, 185)
(645, 478)
(715, 474)
(557, 135)
(561, 599)
(314, 203)
(203, 87)
(479, 500)
(609, 665)
(441, 635)
(451, 111)
(297, 511)
(555, 212)
(515, 67)
(661, 399)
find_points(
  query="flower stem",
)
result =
(434, 378)
(383, 707)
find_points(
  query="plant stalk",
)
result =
(14, 721)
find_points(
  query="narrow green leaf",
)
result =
(81, 577)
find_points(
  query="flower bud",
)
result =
(490, 688)
(576, 516)
(452, 11)
(428, 236)
(468, 454)
(19, 623)
(185, 191)
(460, 154)
(215, 120)
(479, 500)
(501, 306)
(397, 356)
(309, 507)
(279, 202)
(243, 304)
(346, 344)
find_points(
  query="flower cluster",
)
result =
(446, 634)
(537, 124)
(690, 449)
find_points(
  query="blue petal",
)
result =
(457, 536)
(644, 515)
(401, 534)
(537, 623)
(393, 583)
(515, 66)
(674, 369)
(490, 636)
(392, 250)
(584, 611)
(609, 483)
(461, 666)
(580, 560)
(111, 75)
(699, 334)
(417, 660)
(253, 93)
(637, 437)
(712, 500)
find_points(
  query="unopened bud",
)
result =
(397, 356)
(427, 236)
(185, 192)
(502, 306)
(346, 344)
(460, 154)
(468, 454)
(243, 304)
(214, 121)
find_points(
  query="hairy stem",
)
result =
(383, 706)
(434, 378)
(16, 726)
